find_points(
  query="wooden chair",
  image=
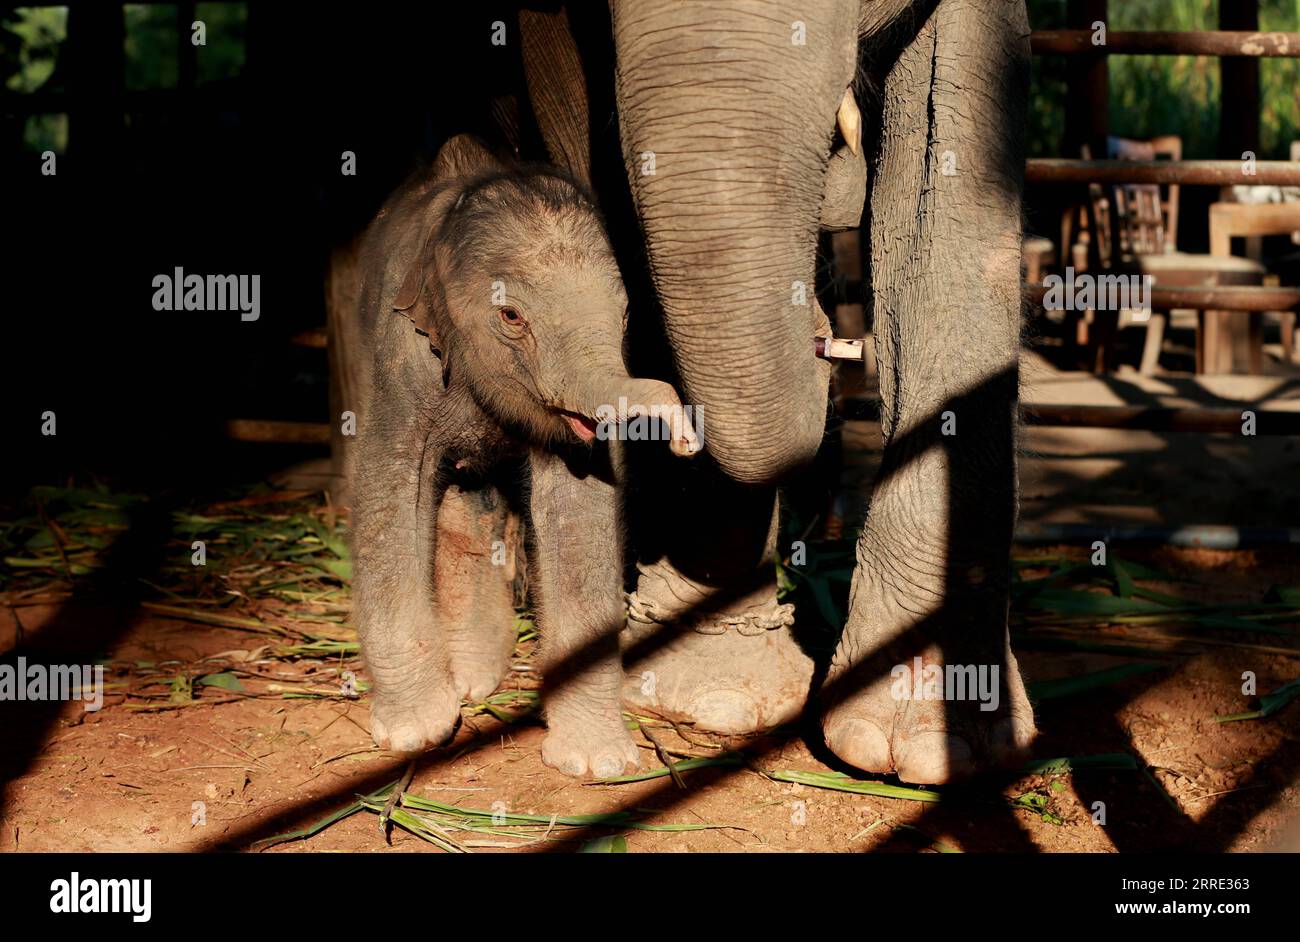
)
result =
(1252, 214)
(1253, 221)
(1287, 269)
(1132, 229)
(1146, 214)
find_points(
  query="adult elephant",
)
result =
(729, 163)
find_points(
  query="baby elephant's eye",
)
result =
(511, 316)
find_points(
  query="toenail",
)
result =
(934, 757)
(859, 742)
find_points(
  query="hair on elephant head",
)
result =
(519, 292)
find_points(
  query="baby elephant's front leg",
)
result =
(579, 598)
(414, 702)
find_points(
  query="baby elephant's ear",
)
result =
(414, 303)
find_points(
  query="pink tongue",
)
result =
(583, 427)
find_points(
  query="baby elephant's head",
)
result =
(529, 309)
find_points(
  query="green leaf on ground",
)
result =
(225, 680)
(1123, 580)
(1287, 594)
(686, 765)
(1078, 602)
(1269, 704)
(1069, 686)
(836, 781)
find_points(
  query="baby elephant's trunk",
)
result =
(620, 401)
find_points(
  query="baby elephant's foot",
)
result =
(590, 751)
(420, 717)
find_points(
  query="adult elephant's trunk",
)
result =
(728, 181)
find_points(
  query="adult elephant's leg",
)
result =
(735, 104)
(707, 639)
(933, 570)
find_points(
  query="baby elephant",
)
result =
(511, 343)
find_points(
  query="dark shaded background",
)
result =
(241, 176)
(226, 159)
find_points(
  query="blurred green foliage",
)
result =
(31, 39)
(1153, 95)
(153, 36)
(151, 46)
(29, 43)
(223, 56)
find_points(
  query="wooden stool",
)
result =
(1185, 270)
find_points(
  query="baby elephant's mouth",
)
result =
(582, 426)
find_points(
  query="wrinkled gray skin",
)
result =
(504, 379)
(748, 168)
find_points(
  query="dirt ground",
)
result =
(209, 768)
(124, 779)
(223, 772)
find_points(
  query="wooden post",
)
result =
(1238, 133)
(186, 51)
(1087, 98)
(96, 56)
(1087, 125)
(1239, 98)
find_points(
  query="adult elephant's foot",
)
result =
(727, 662)
(929, 741)
(898, 700)
(726, 683)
